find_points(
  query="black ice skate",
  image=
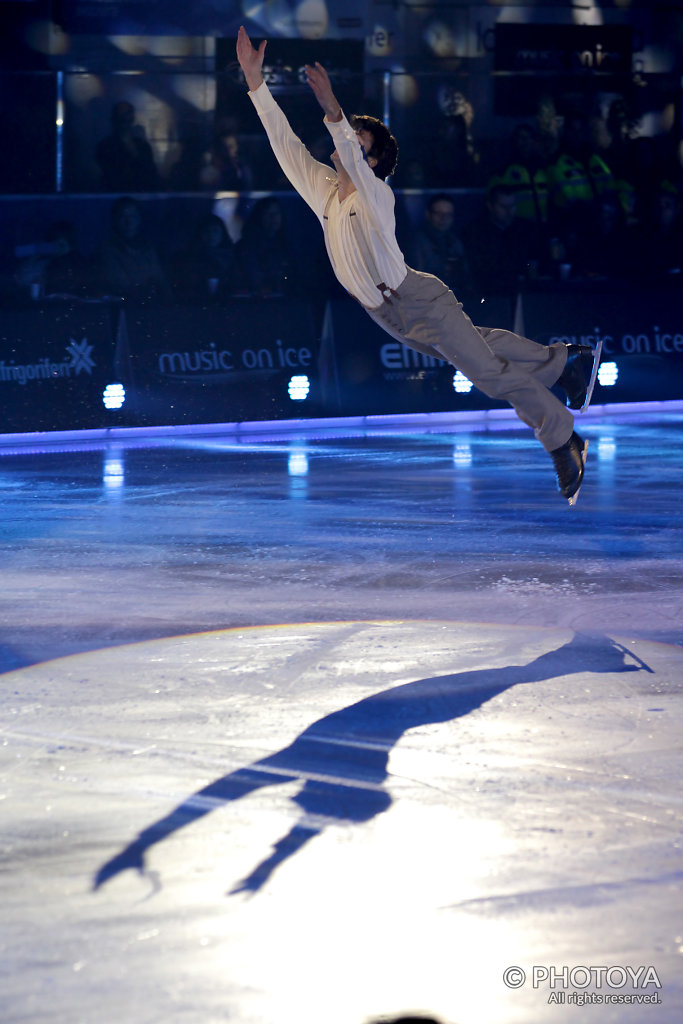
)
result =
(570, 459)
(575, 379)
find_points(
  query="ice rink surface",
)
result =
(330, 726)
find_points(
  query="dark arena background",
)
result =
(319, 703)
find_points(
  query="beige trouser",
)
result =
(425, 315)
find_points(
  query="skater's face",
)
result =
(365, 138)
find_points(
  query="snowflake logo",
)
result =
(81, 358)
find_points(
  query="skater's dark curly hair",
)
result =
(384, 145)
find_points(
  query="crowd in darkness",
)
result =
(576, 205)
(129, 263)
(589, 201)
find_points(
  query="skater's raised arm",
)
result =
(319, 81)
(310, 178)
(353, 148)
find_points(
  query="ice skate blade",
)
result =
(597, 352)
(575, 496)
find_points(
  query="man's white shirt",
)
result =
(360, 231)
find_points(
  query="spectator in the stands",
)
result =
(526, 173)
(579, 175)
(225, 168)
(411, 175)
(621, 126)
(604, 244)
(129, 263)
(185, 172)
(437, 248)
(266, 262)
(205, 270)
(502, 250)
(628, 200)
(644, 175)
(667, 143)
(54, 266)
(66, 271)
(319, 147)
(661, 239)
(547, 125)
(125, 156)
(452, 157)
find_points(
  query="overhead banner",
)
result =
(287, 18)
(221, 364)
(56, 363)
(568, 61)
(563, 48)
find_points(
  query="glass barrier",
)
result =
(193, 128)
(187, 143)
(144, 131)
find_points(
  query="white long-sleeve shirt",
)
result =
(360, 231)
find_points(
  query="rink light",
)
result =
(608, 375)
(298, 387)
(113, 396)
(461, 384)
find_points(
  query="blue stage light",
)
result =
(298, 387)
(113, 396)
(461, 384)
(608, 374)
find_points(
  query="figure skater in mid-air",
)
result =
(355, 207)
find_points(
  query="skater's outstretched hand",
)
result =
(250, 59)
(319, 81)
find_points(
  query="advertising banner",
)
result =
(69, 367)
(247, 360)
(373, 374)
(55, 363)
(642, 333)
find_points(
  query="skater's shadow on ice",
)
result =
(342, 758)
